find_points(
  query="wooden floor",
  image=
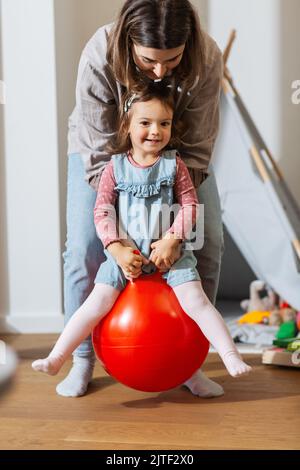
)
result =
(260, 411)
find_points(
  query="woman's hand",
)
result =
(165, 252)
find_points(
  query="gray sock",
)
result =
(202, 386)
(76, 382)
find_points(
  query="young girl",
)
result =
(141, 177)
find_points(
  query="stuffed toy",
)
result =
(258, 303)
(265, 308)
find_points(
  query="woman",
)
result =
(150, 40)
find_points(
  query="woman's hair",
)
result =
(159, 91)
(157, 24)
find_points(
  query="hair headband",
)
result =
(128, 103)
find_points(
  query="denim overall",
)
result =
(142, 194)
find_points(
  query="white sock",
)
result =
(76, 382)
(202, 386)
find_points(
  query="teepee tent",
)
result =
(258, 208)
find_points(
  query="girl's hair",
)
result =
(159, 91)
(157, 24)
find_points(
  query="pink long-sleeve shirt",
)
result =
(184, 191)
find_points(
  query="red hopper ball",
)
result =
(147, 341)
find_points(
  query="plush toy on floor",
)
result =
(258, 303)
(147, 341)
(266, 309)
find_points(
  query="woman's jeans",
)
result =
(84, 250)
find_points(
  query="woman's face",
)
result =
(150, 127)
(157, 63)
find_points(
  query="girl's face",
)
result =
(150, 127)
(157, 63)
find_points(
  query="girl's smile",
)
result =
(153, 141)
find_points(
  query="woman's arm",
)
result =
(96, 120)
(92, 124)
(201, 117)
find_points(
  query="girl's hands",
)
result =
(130, 262)
(165, 253)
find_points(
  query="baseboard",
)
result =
(50, 323)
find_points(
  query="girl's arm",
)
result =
(106, 226)
(104, 211)
(187, 198)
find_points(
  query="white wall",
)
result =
(264, 62)
(31, 209)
